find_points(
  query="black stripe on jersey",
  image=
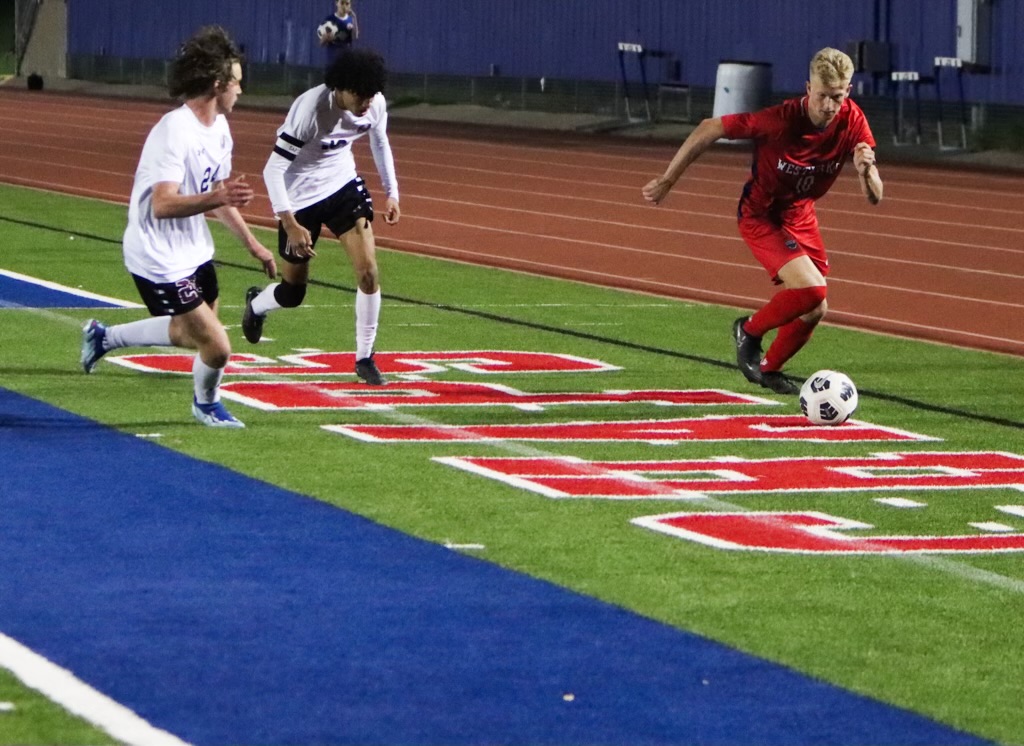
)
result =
(284, 153)
(291, 140)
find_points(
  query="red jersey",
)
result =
(794, 162)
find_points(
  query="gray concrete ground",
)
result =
(669, 132)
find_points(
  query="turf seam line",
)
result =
(912, 403)
(869, 393)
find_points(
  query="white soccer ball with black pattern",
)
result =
(327, 30)
(828, 398)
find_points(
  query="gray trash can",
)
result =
(742, 86)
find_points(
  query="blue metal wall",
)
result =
(573, 39)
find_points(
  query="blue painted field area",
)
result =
(20, 291)
(227, 610)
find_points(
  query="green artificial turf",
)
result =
(937, 634)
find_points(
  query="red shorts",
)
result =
(774, 244)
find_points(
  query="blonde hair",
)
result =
(832, 67)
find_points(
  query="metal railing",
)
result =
(990, 126)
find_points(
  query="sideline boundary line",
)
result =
(63, 687)
(912, 403)
(69, 290)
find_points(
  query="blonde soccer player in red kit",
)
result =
(800, 148)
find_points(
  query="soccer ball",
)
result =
(327, 30)
(828, 398)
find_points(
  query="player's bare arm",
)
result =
(168, 202)
(233, 219)
(300, 242)
(703, 137)
(867, 172)
(391, 211)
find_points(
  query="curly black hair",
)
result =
(203, 60)
(361, 71)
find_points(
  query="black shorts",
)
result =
(339, 213)
(176, 298)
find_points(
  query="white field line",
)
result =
(617, 156)
(63, 687)
(70, 290)
(729, 299)
(964, 571)
(732, 184)
(600, 278)
(616, 178)
(947, 566)
(246, 120)
(658, 157)
(733, 236)
(632, 151)
(677, 231)
(676, 256)
(62, 188)
(899, 323)
(944, 565)
(726, 215)
(257, 219)
(62, 318)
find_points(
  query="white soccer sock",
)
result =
(367, 315)
(152, 332)
(206, 381)
(265, 302)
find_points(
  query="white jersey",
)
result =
(312, 158)
(182, 150)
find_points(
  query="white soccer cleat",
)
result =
(93, 334)
(214, 415)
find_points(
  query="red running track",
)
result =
(942, 258)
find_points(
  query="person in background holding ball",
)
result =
(344, 19)
(801, 146)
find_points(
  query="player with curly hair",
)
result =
(184, 172)
(312, 182)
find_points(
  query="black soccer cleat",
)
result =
(777, 382)
(748, 351)
(367, 370)
(252, 322)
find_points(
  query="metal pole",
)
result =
(963, 108)
(625, 83)
(643, 79)
(17, 38)
(24, 20)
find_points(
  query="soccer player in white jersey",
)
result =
(312, 182)
(183, 173)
